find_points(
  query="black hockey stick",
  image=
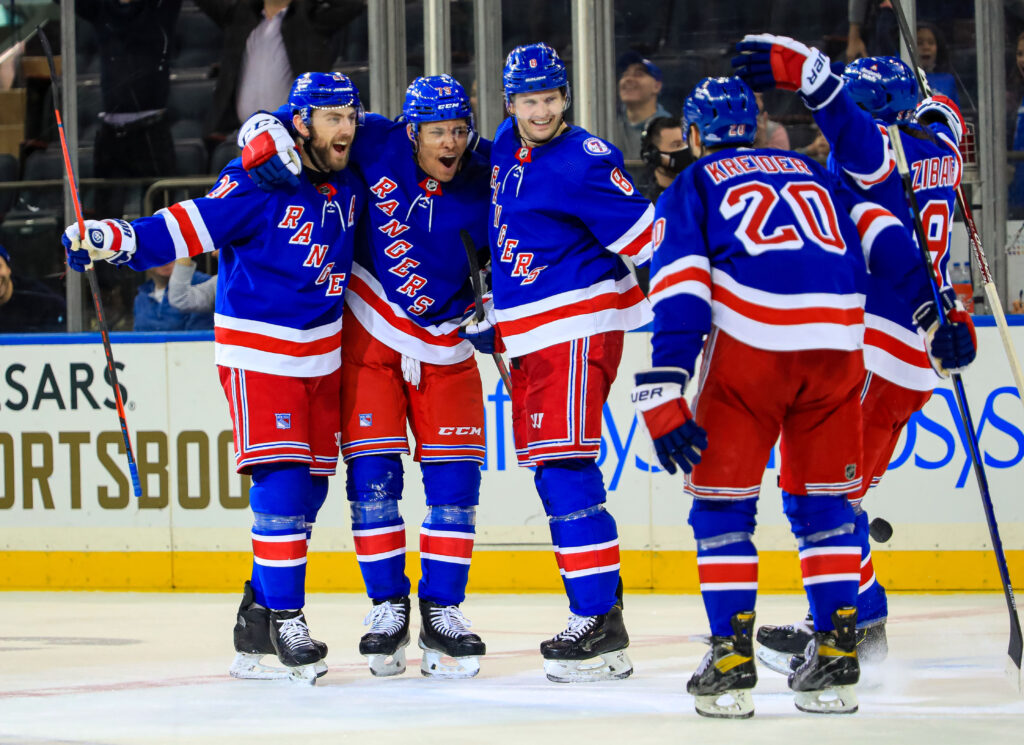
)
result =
(973, 236)
(478, 292)
(1016, 647)
(90, 271)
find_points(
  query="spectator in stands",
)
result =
(153, 310)
(664, 150)
(267, 43)
(186, 295)
(1017, 181)
(134, 137)
(769, 132)
(27, 305)
(873, 29)
(933, 54)
(639, 86)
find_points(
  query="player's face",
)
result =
(332, 132)
(637, 86)
(6, 286)
(539, 115)
(440, 147)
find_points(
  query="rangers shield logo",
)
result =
(283, 421)
(366, 420)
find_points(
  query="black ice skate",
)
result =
(290, 636)
(383, 645)
(444, 633)
(781, 648)
(591, 648)
(721, 685)
(824, 682)
(252, 642)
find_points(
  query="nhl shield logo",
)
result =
(851, 470)
(595, 146)
(283, 421)
(366, 420)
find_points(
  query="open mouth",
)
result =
(448, 160)
(340, 148)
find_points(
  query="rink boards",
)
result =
(68, 519)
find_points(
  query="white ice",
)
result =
(144, 668)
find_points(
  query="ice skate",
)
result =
(384, 644)
(444, 634)
(252, 643)
(591, 648)
(721, 685)
(824, 682)
(781, 648)
(290, 636)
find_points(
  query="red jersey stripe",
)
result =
(638, 244)
(380, 306)
(188, 231)
(252, 340)
(606, 301)
(692, 273)
(903, 352)
(787, 316)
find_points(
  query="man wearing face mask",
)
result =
(663, 148)
(285, 261)
(404, 361)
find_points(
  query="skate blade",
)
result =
(774, 660)
(608, 666)
(387, 665)
(304, 674)
(734, 704)
(434, 665)
(248, 667)
(834, 700)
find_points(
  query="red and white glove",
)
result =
(268, 152)
(664, 413)
(769, 61)
(111, 240)
(939, 108)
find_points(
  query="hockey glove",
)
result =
(952, 346)
(939, 108)
(482, 331)
(268, 152)
(769, 61)
(663, 412)
(112, 240)
(411, 370)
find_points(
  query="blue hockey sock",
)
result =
(872, 604)
(446, 538)
(584, 535)
(279, 498)
(374, 486)
(726, 558)
(829, 552)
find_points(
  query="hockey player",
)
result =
(284, 265)
(404, 362)
(754, 249)
(563, 215)
(852, 113)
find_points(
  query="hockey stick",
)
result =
(1016, 647)
(90, 271)
(478, 292)
(973, 236)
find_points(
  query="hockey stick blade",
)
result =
(94, 285)
(1015, 649)
(478, 293)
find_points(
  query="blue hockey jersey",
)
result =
(862, 154)
(773, 250)
(410, 280)
(562, 217)
(285, 261)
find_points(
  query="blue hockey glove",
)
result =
(769, 61)
(663, 412)
(112, 240)
(481, 332)
(952, 346)
(268, 152)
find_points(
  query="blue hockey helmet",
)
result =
(323, 90)
(723, 109)
(434, 99)
(885, 87)
(534, 67)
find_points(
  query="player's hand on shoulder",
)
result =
(939, 108)
(770, 61)
(664, 413)
(952, 346)
(480, 328)
(268, 152)
(110, 240)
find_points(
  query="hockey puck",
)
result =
(880, 530)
